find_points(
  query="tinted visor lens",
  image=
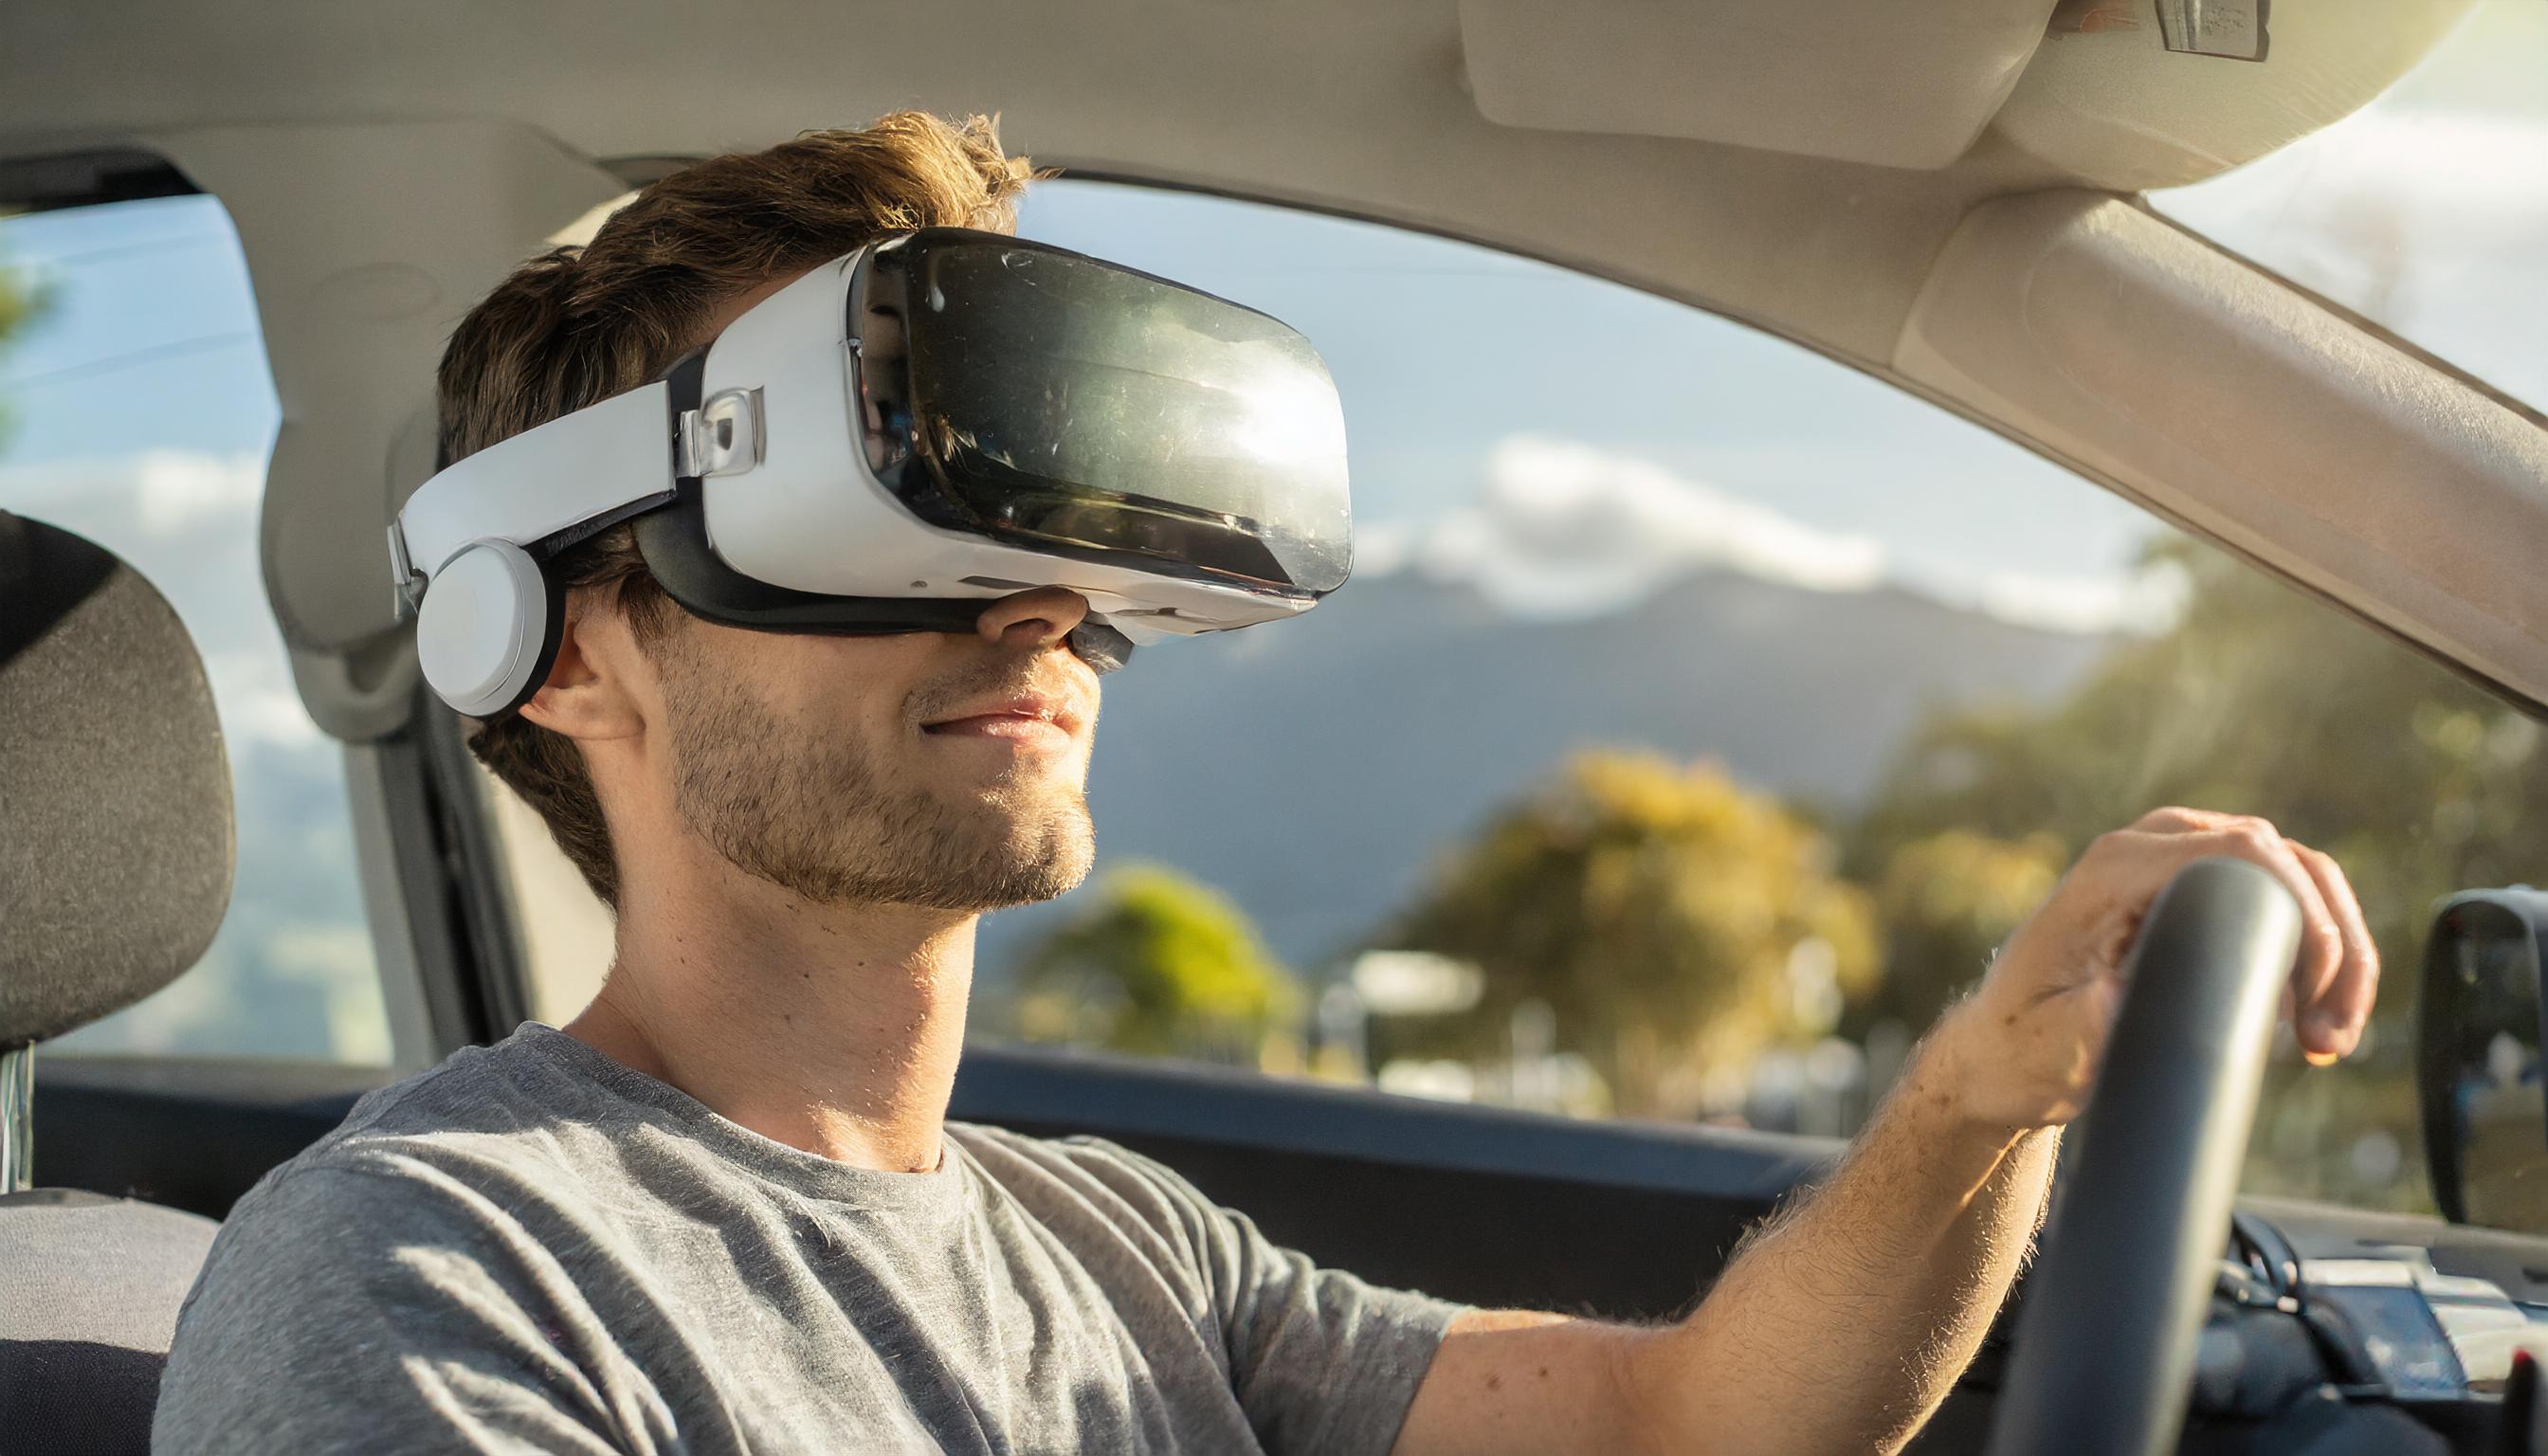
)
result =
(1081, 406)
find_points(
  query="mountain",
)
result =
(1314, 769)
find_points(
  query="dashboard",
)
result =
(2368, 1317)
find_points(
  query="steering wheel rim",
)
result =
(2104, 1352)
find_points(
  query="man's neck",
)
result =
(832, 1029)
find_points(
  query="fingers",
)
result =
(2338, 971)
(2332, 1027)
(2321, 951)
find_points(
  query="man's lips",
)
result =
(1026, 719)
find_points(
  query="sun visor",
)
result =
(1855, 80)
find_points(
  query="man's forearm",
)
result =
(1841, 1324)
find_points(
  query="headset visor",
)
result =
(1027, 393)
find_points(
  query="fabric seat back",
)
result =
(116, 854)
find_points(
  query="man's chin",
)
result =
(1046, 884)
(1029, 858)
(1060, 869)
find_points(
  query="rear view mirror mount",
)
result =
(2477, 1051)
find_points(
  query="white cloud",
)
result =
(2145, 602)
(1561, 528)
(254, 693)
(177, 489)
(1384, 548)
(161, 492)
(1564, 529)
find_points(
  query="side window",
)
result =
(135, 408)
(1700, 716)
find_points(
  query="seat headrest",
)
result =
(116, 837)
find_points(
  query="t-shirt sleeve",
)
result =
(350, 1311)
(1322, 1361)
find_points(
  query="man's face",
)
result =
(928, 769)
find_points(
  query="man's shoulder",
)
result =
(430, 1219)
(481, 1110)
(999, 1150)
(1082, 1179)
(456, 1157)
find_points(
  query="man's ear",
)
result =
(590, 692)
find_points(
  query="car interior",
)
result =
(1955, 207)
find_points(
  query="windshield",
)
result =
(2424, 212)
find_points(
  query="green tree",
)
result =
(1673, 920)
(1160, 966)
(2260, 700)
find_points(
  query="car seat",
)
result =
(116, 854)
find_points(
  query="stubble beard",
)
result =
(816, 815)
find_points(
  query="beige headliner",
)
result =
(386, 163)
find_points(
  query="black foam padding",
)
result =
(674, 540)
(116, 837)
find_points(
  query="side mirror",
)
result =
(2478, 1067)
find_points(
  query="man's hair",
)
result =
(574, 325)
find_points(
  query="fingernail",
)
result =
(2319, 1058)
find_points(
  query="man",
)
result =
(721, 1211)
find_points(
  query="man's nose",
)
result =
(1034, 619)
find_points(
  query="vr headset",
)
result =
(897, 437)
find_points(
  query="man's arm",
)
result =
(1842, 1324)
(345, 1311)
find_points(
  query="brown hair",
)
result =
(575, 325)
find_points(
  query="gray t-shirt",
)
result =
(532, 1247)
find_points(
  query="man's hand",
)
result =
(2025, 1049)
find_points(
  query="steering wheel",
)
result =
(2105, 1343)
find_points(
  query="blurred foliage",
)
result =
(2261, 701)
(23, 301)
(1160, 966)
(1671, 919)
(20, 300)
(1947, 903)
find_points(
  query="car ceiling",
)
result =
(1799, 164)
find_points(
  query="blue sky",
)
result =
(151, 341)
